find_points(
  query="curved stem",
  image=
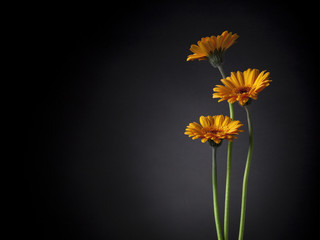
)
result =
(246, 175)
(228, 174)
(221, 71)
(215, 193)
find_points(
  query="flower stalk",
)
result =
(246, 175)
(215, 193)
(228, 174)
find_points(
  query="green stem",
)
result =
(227, 192)
(215, 193)
(221, 71)
(228, 174)
(246, 174)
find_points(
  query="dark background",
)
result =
(110, 94)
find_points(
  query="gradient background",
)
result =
(110, 99)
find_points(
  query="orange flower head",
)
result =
(212, 48)
(242, 86)
(214, 129)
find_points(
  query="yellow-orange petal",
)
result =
(208, 46)
(241, 86)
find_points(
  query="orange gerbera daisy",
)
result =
(214, 128)
(212, 48)
(242, 86)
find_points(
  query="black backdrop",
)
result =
(110, 94)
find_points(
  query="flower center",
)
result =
(214, 131)
(242, 90)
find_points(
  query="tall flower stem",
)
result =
(215, 193)
(246, 174)
(228, 174)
